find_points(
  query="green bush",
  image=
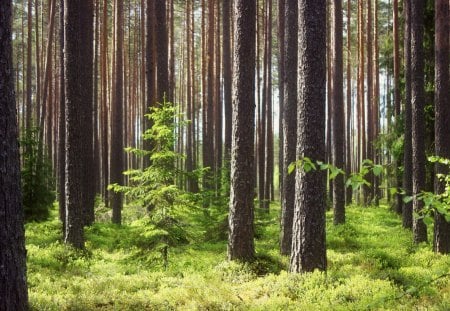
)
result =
(37, 180)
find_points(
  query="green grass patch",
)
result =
(372, 265)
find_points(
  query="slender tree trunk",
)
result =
(13, 283)
(163, 50)
(289, 122)
(348, 144)
(29, 66)
(227, 79)
(117, 164)
(397, 104)
(308, 241)
(281, 70)
(407, 151)
(442, 115)
(62, 126)
(418, 116)
(240, 240)
(337, 116)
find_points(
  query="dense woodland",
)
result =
(224, 154)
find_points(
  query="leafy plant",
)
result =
(153, 187)
(37, 180)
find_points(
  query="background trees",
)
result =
(135, 52)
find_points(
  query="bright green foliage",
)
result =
(37, 180)
(154, 188)
(373, 265)
(436, 203)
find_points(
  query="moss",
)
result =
(372, 265)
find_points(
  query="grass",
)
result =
(372, 265)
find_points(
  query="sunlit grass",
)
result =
(372, 265)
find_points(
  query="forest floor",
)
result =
(372, 265)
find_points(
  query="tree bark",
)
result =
(227, 81)
(77, 72)
(308, 241)
(13, 283)
(348, 143)
(289, 123)
(240, 240)
(163, 50)
(442, 115)
(117, 164)
(418, 116)
(407, 208)
(337, 119)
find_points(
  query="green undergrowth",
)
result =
(372, 265)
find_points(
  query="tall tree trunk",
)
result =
(117, 164)
(369, 93)
(240, 240)
(418, 116)
(397, 103)
(13, 283)
(62, 126)
(29, 66)
(407, 213)
(337, 116)
(308, 241)
(268, 178)
(281, 70)
(348, 144)
(226, 72)
(289, 123)
(163, 50)
(442, 113)
(77, 71)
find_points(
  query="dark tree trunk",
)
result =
(13, 283)
(348, 144)
(281, 71)
(407, 208)
(226, 67)
(240, 241)
(442, 126)
(163, 50)
(29, 66)
(289, 123)
(418, 116)
(308, 241)
(77, 72)
(62, 127)
(117, 164)
(337, 119)
(397, 103)
(268, 178)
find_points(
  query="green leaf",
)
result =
(291, 167)
(407, 199)
(393, 191)
(428, 220)
(377, 170)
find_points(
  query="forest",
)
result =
(224, 155)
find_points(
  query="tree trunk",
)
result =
(418, 116)
(240, 241)
(77, 71)
(407, 213)
(337, 119)
(442, 113)
(226, 72)
(13, 283)
(397, 103)
(117, 164)
(289, 123)
(163, 51)
(308, 241)
(348, 144)
(62, 127)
